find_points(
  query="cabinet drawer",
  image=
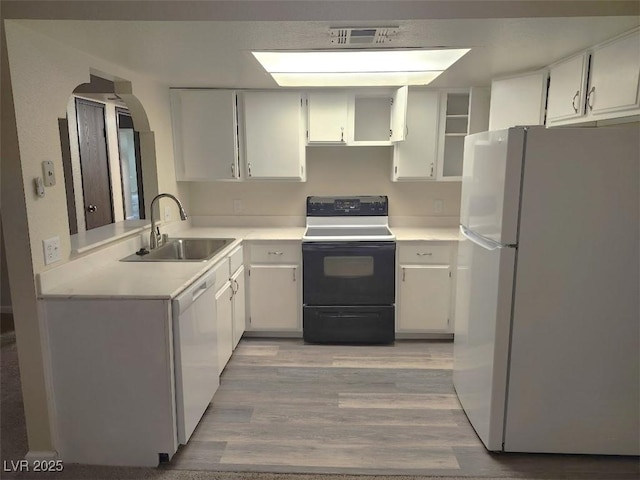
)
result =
(276, 252)
(221, 269)
(424, 253)
(236, 259)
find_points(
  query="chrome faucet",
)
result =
(156, 240)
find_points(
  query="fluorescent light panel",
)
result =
(355, 79)
(358, 67)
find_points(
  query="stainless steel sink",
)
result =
(182, 250)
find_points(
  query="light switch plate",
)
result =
(51, 250)
(48, 173)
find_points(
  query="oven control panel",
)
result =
(364, 205)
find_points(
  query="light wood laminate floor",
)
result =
(285, 407)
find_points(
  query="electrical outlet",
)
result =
(438, 206)
(51, 250)
(167, 214)
(237, 206)
(49, 173)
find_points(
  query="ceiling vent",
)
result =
(341, 36)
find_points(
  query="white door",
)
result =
(615, 76)
(224, 314)
(399, 114)
(491, 184)
(274, 135)
(239, 314)
(205, 134)
(416, 156)
(567, 84)
(424, 298)
(328, 117)
(483, 313)
(274, 297)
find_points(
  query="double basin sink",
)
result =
(182, 250)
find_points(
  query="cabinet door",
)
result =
(567, 85)
(416, 156)
(615, 76)
(518, 100)
(328, 117)
(205, 134)
(274, 298)
(274, 135)
(239, 314)
(424, 298)
(224, 316)
(399, 114)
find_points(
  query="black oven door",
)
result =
(348, 273)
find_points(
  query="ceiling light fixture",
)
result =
(358, 67)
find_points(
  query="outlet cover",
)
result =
(51, 248)
(167, 214)
(438, 206)
(237, 206)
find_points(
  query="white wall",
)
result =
(332, 171)
(43, 73)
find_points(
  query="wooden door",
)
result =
(94, 164)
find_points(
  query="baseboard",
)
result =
(6, 309)
(40, 456)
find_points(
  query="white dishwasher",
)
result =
(195, 346)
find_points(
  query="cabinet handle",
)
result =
(249, 166)
(403, 273)
(233, 171)
(431, 174)
(342, 134)
(92, 208)
(573, 101)
(294, 273)
(237, 285)
(406, 131)
(275, 253)
(424, 254)
(592, 91)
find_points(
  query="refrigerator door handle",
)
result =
(485, 243)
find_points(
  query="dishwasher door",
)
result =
(195, 345)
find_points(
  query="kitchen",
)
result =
(49, 217)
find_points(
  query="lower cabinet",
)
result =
(275, 286)
(230, 300)
(110, 365)
(424, 290)
(238, 301)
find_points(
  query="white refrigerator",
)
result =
(547, 328)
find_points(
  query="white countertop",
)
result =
(165, 280)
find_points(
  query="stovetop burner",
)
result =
(355, 218)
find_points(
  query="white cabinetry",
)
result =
(111, 380)
(275, 286)
(377, 118)
(274, 135)
(454, 122)
(425, 293)
(328, 117)
(205, 137)
(518, 100)
(229, 306)
(567, 87)
(417, 156)
(613, 70)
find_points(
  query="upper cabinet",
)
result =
(328, 117)
(518, 100)
(357, 117)
(613, 70)
(417, 156)
(567, 87)
(205, 137)
(436, 124)
(273, 135)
